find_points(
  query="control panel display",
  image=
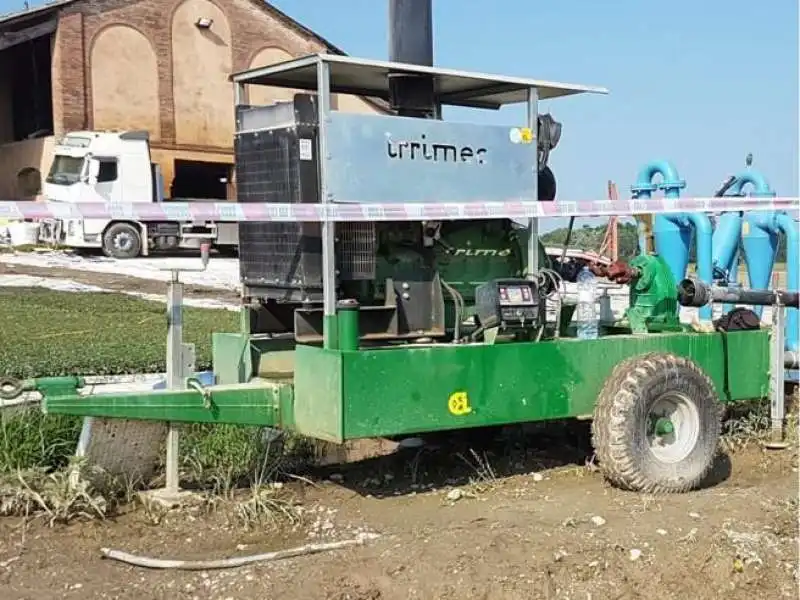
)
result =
(514, 295)
(510, 302)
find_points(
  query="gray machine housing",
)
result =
(294, 272)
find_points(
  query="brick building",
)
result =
(158, 65)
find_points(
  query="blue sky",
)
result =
(699, 82)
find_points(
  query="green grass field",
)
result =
(49, 333)
(45, 332)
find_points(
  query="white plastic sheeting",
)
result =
(67, 285)
(222, 273)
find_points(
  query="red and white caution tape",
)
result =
(236, 212)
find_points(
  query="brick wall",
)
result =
(253, 28)
(69, 85)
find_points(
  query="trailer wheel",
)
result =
(657, 425)
(122, 240)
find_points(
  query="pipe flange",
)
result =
(10, 388)
(643, 187)
(666, 186)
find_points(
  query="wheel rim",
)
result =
(673, 427)
(123, 242)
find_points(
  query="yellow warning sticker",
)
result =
(520, 135)
(458, 404)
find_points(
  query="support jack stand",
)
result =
(180, 367)
(777, 439)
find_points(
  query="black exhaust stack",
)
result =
(411, 42)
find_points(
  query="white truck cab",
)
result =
(116, 167)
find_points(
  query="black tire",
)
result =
(122, 240)
(623, 425)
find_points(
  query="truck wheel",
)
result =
(657, 425)
(122, 240)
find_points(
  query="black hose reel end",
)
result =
(694, 293)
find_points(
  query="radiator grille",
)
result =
(284, 260)
(281, 256)
(356, 250)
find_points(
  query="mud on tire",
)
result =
(631, 434)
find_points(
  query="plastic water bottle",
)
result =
(586, 311)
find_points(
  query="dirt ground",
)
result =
(521, 518)
(462, 531)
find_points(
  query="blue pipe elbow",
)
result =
(663, 231)
(672, 233)
(666, 169)
(703, 241)
(752, 177)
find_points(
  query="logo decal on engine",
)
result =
(423, 149)
(458, 404)
(481, 252)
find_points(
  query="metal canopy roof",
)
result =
(361, 77)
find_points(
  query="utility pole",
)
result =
(611, 239)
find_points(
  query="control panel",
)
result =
(509, 303)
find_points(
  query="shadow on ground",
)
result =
(476, 457)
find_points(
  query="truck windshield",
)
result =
(65, 170)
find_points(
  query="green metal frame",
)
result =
(338, 395)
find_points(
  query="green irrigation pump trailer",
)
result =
(430, 311)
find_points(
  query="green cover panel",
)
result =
(318, 393)
(411, 390)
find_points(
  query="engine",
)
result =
(411, 279)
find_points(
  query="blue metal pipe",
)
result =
(728, 231)
(673, 233)
(725, 245)
(671, 239)
(703, 245)
(760, 241)
(788, 226)
(759, 234)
